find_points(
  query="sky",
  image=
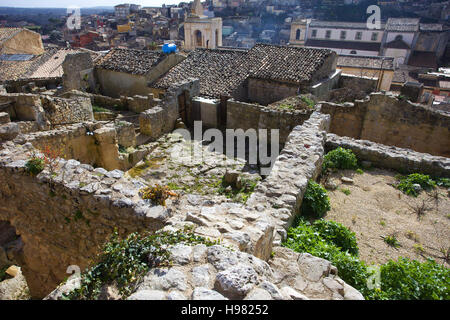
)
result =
(82, 3)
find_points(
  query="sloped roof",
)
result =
(283, 63)
(386, 63)
(403, 24)
(46, 65)
(130, 60)
(221, 71)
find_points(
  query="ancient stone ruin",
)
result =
(102, 151)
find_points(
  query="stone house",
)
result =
(128, 71)
(380, 69)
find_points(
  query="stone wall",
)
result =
(241, 115)
(76, 142)
(78, 71)
(402, 160)
(266, 92)
(161, 119)
(60, 111)
(64, 218)
(388, 120)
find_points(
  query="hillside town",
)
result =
(226, 150)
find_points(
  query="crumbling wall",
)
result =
(91, 143)
(64, 218)
(241, 115)
(161, 119)
(67, 111)
(78, 71)
(388, 120)
(402, 160)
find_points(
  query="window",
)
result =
(358, 35)
(314, 33)
(343, 35)
(374, 36)
(298, 33)
(328, 34)
(353, 52)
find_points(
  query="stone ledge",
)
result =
(390, 157)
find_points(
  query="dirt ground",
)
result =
(373, 209)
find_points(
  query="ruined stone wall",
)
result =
(385, 119)
(74, 142)
(241, 115)
(161, 119)
(63, 219)
(402, 160)
(78, 71)
(67, 111)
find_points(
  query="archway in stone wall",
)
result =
(198, 38)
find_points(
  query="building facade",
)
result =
(201, 31)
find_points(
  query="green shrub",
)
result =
(410, 280)
(124, 261)
(305, 238)
(340, 158)
(96, 108)
(400, 280)
(443, 182)
(315, 201)
(392, 241)
(35, 165)
(339, 235)
(406, 183)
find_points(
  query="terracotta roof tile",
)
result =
(130, 60)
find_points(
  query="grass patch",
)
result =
(97, 108)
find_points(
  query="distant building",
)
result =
(201, 31)
(122, 10)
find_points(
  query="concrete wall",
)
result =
(388, 120)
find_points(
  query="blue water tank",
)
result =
(169, 48)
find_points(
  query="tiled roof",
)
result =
(8, 33)
(282, 63)
(432, 27)
(349, 45)
(219, 71)
(403, 24)
(404, 74)
(386, 63)
(46, 65)
(130, 60)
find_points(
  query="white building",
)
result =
(122, 10)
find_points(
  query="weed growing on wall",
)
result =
(123, 262)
